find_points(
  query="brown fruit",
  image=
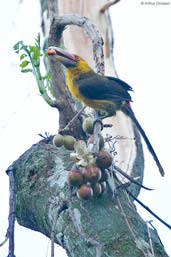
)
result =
(88, 125)
(69, 142)
(75, 177)
(97, 189)
(105, 176)
(58, 140)
(104, 160)
(92, 173)
(85, 192)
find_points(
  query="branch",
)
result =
(53, 9)
(46, 204)
(149, 210)
(108, 5)
(58, 26)
(5, 240)
(11, 218)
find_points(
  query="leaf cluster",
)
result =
(31, 57)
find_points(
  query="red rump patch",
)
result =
(128, 103)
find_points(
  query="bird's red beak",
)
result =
(58, 52)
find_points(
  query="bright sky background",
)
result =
(143, 59)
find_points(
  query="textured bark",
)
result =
(104, 226)
(97, 227)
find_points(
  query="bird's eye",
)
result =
(77, 58)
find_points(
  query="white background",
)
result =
(143, 59)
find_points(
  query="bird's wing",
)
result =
(121, 83)
(103, 88)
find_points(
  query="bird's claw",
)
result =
(97, 121)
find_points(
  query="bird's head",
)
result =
(72, 62)
(67, 59)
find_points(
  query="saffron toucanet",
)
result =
(97, 91)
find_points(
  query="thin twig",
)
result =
(60, 209)
(150, 239)
(130, 178)
(53, 234)
(125, 217)
(73, 119)
(108, 5)
(148, 209)
(5, 240)
(11, 218)
(128, 224)
(150, 222)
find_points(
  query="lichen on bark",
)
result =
(106, 226)
(45, 202)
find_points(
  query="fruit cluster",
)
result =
(66, 141)
(90, 173)
(91, 180)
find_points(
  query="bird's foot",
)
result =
(98, 122)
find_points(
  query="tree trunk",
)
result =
(103, 226)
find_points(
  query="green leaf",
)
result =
(24, 47)
(49, 77)
(32, 48)
(23, 56)
(16, 47)
(36, 54)
(38, 40)
(31, 56)
(24, 64)
(26, 70)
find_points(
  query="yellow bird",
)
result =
(97, 91)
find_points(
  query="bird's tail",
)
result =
(131, 114)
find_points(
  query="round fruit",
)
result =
(75, 177)
(92, 173)
(58, 140)
(104, 160)
(97, 189)
(85, 192)
(69, 142)
(105, 176)
(88, 125)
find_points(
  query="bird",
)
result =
(104, 93)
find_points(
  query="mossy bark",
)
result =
(104, 226)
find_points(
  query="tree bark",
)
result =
(104, 226)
